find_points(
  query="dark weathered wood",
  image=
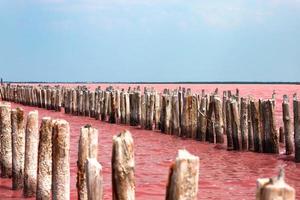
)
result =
(175, 126)
(31, 154)
(236, 131)
(281, 135)
(123, 183)
(244, 123)
(250, 128)
(289, 147)
(94, 179)
(229, 125)
(18, 147)
(274, 188)
(255, 118)
(61, 160)
(296, 109)
(183, 177)
(210, 136)
(44, 174)
(202, 119)
(218, 119)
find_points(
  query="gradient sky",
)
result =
(150, 40)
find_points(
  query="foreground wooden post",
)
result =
(5, 143)
(18, 147)
(274, 188)
(87, 148)
(183, 177)
(94, 179)
(31, 154)
(289, 149)
(61, 160)
(44, 176)
(296, 109)
(123, 184)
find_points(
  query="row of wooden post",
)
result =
(248, 124)
(37, 159)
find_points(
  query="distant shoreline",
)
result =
(159, 82)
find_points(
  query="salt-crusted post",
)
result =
(87, 148)
(183, 177)
(31, 154)
(44, 175)
(296, 108)
(61, 160)
(123, 184)
(274, 188)
(289, 149)
(5, 144)
(94, 179)
(18, 147)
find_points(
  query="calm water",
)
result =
(223, 174)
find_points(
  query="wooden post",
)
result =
(87, 148)
(44, 175)
(274, 188)
(94, 179)
(202, 118)
(61, 160)
(123, 184)
(18, 147)
(296, 109)
(183, 177)
(281, 135)
(255, 118)
(229, 125)
(289, 149)
(250, 129)
(218, 119)
(236, 131)
(175, 116)
(210, 135)
(5, 143)
(271, 135)
(31, 154)
(244, 123)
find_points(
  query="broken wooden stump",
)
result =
(18, 147)
(61, 160)
(44, 174)
(183, 177)
(123, 183)
(31, 154)
(94, 179)
(87, 148)
(274, 188)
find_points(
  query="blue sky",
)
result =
(150, 40)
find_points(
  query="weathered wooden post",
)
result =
(289, 149)
(5, 143)
(87, 148)
(175, 116)
(296, 109)
(123, 184)
(202, 119)
(61, 160)
(281, 135)
(229, 125)
(210, 135)
(94, 179)
(183, 177)
(31, 154)
(255, 118)
(250, 128)
(271, 135)
(44, 174)
(18, 147)
(236, 131)
(274, 188)
(218, 119)
(244, 123)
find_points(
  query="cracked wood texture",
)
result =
(183, 177)
(123, 182)
(94, 179)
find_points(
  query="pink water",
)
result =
(223, 174)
